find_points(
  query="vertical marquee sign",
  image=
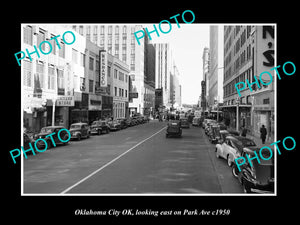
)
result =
(103, 68)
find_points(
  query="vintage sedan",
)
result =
(96, 127)
(123, 123)
(258, 178)
(174, 129)
(45, 131)
(27, 139)
(196, 121)
(104, 126)
(232, 146)
(79, 130)
(184, 123)
(114, 125)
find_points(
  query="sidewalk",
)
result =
(258, 140)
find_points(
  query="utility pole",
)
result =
(237, 113)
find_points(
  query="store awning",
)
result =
(234, 106)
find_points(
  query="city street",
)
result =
(136, 160)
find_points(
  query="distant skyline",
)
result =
(187, 44)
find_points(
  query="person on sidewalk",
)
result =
(263, 133)
(244, 131)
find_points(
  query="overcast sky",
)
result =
(187, 43)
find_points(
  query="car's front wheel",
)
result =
(229, 162)
(235, 171)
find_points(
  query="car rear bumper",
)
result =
(259, 188)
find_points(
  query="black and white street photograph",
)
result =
(174, 108)
(142, 112)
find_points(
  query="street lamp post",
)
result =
(237, 113)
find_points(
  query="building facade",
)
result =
(149, 77)
(244, 48)
(205, 81)
(119, 41)
(215, 78)
(163, 67)
(47, 81)
(63, 87)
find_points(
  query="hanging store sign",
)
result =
(65, 101)
(103, 69)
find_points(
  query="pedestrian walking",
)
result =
(244, 131)
(263, 133)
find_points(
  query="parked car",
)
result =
(196, 121)
(49, 130)
(205, 121)
(26, 140)
(79, 130)
(129, 122)
(232, 148)
(96, 127)
(104, 126)
(184, 123)
(174, 128)
(123, 123)
(259, 177)
(214, 134)
(209, 126)
(114, 125)
(222, 126)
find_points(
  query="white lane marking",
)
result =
(107, 164)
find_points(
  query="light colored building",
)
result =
(48, 80)
(215, 78)
(119, 41)
(163, 68)
(118, 85)
(175, 88)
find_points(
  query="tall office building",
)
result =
(205, 81)
(215, 78)
(163, 67)
(119, 41)
(245, 49)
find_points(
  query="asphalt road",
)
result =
(137, 160)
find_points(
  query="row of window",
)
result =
(41, 75)
(102, 27)
(117, 91)
(230, 89)
(40, 37)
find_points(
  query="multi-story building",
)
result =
(175, 92)
(238, 66)
(243, 59)
(163, 67)
(119, 41)
(118, 74)
(263, 98)
(63, 86)
(149, 77)
(205, 81)
(215, 78)
(47, 88)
